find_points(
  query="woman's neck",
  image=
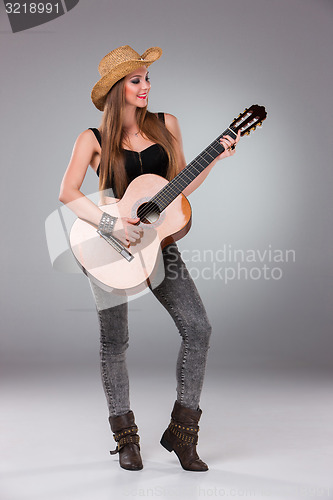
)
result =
(129, 122)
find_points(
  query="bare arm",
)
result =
(172, 125)
(84, 150)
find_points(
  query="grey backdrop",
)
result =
(218, 57)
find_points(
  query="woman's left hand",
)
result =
(229, 145)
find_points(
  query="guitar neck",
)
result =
(177, 185)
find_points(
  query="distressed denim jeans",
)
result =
(179, 295)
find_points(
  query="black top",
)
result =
(152, 160)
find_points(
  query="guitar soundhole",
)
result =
(148, 212)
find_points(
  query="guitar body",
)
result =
(104, 265)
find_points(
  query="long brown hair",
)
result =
(112, 169)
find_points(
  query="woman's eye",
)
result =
(135, 81)
(147, 79)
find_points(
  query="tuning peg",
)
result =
(259, 124)
(247, 132)
(254, 127)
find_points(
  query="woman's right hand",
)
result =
(126, 230)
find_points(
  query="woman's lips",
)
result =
(142, 96)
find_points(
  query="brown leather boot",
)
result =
(182, 437)
(125, 434)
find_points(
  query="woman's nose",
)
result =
(146, 85)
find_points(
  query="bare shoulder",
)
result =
(170, 120)
(172, 124)
(87, 140)
(86, 151)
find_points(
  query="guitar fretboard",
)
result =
(166, 195)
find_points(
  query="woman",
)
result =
(132, 141)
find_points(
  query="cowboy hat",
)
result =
(117, 64)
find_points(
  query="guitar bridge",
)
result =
(117, 246)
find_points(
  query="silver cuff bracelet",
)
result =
(107, 223)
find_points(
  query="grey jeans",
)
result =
(179, 295)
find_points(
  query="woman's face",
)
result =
(137, 87)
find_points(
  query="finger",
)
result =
(134, 229)
(123, 240)
(226, 144)
(227, 138)
(234, 141)
(131, 238)
(132, 220)
(135, 236)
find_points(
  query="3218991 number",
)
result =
(32, 8)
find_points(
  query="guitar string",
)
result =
(163, 195)
(191, 167)
(188, 172)
(162, 199)
(172, 188)
(176, 185)
(186, 176)
(201, 156)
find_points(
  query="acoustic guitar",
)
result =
(165, 216)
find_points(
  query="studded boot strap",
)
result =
(126, 436)
(187, 434)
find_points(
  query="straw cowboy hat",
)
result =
(117, 64)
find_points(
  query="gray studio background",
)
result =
(218, 58)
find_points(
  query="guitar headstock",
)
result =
(249, 119)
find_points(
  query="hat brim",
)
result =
(103, 86)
